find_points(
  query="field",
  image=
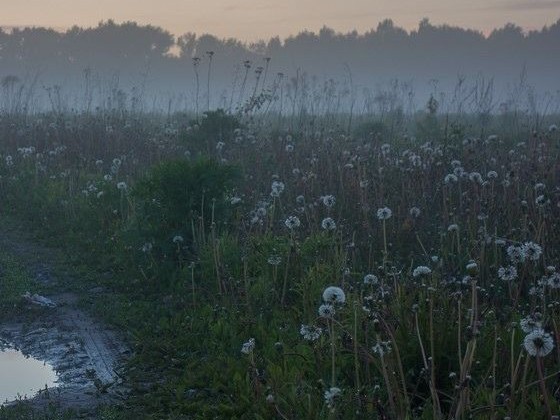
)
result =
(382, 266)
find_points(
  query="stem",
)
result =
(333, 355)
(543, 386)
(356, 360)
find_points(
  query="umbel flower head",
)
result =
(333, 294)
(538, 343)
(421, 270)
(310, 332)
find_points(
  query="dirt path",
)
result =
(85, 353)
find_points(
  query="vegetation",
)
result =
(407, 267)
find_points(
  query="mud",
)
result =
(86, 354)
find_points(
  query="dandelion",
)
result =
(421, 270)
(531, 250)
(289, 148)
(554, 281)
(381, 348)
(530, 323)
(122, 186)
(516, 254)
(507, 273)
(450, 178)
(370, 279)
(475, 177)
(326, 311)
(177, 239)
(453, 228)
(292, 222)
(459, 172)
(147, 247)
(328, 200)
(331, 395)
(328, 224)
(414, 212)
(310, 332)
(541, 201)
(384, 213)
(472, 267)
(248, 346)
(274, 260)
(333, 294)
(234, 200)
(538, 343)
(277, 188)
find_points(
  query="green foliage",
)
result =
(214, 126)
(188, 306)
(176, 194)
(14, 282)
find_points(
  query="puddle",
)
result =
(21, 376)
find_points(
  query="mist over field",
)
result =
(145, 66)
(360, 225)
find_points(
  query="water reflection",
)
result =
(22, 376)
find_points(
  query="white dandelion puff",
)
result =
(334, 294)
(538, 343)
(421, 270)
(248, 347)
(384, 213)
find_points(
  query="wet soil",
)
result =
(86, 354)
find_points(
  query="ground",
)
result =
(84, 351)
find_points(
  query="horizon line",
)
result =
(64, 29)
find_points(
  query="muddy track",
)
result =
(86, 354)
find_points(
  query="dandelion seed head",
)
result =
(538, 343)
(326, 311)
(384, 213)
(334, 294)
(248, 346)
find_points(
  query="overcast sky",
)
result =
(260, 19)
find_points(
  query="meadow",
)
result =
(297, 266)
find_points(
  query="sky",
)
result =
(251, 20)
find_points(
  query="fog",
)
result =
(138, 67)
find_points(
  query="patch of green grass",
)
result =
(14, 282)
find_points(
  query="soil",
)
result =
(85, 353)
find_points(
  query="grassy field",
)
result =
(272, 268)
